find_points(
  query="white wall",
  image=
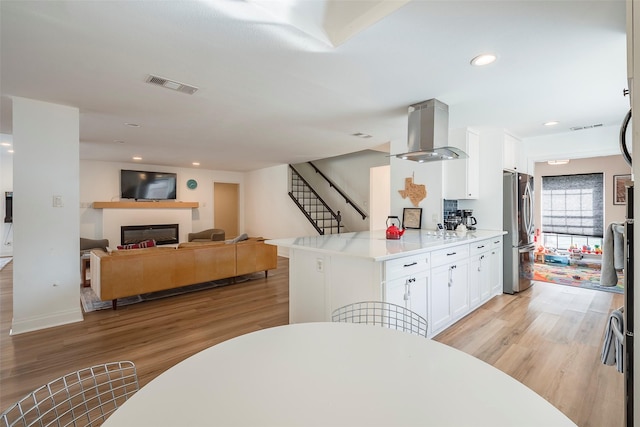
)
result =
(602, 141)
(270, 212)
(100, 181)
(350, 173)
(429, 174)
(380, 200)
(487, 209)
(46, 268)
(6, 184)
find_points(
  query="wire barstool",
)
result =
(381, 313)
(81, 398)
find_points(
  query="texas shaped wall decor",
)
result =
(415, 192)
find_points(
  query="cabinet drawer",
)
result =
(480, 246)
(405, 266)
(496, 242)
(452, 254)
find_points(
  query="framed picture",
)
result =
(412, 217)
(619, 190)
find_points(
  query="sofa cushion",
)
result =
(144, 244)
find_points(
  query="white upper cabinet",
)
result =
(512, 157)
(462, 177)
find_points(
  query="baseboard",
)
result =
(37, 323)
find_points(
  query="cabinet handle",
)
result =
(409, 265)
(452, 253)
(479, 247)
(450, 283)
(497, 241)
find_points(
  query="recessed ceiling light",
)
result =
(137, 158)
(484, 59)
(361, 135)
(552, 123)
(5, 144)
(195, 164)
(9, 151)
(132, 125)
(557, 162)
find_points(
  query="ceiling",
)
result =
(293, 80)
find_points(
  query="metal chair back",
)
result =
(82, 398)
(384, 314)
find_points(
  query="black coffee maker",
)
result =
(468, 220)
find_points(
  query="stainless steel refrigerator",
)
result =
(518, 244)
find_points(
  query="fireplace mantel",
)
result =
(144, 205)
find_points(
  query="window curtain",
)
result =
(573, 204)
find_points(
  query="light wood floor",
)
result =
(548, 337)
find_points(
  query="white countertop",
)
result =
(373, 244)
(334, 374)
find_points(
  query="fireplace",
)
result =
(163, 234)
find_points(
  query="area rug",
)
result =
(4, 261)
(578, 276)
(91, 302)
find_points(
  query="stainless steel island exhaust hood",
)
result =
(429, 133)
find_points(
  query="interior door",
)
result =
(226, 208)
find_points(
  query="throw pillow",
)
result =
(147, 243)
(140, 245)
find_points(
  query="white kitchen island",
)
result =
(441, 276)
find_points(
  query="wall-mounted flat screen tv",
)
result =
(145, 185)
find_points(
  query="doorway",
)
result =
(226, 208)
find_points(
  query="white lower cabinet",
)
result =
(407, 281)
(409, 292)
(449, 287)
(495, 267)
(395, 291)
(479, 273)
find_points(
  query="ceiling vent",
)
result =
(171, 84)
(586, 127)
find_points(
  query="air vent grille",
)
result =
(171, 84)
(586, 127)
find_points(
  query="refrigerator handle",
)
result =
(528, 210)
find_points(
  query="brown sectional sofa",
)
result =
(127, 273)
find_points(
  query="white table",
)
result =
(334, 374)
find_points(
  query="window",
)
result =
(573, 204)
(565, 241)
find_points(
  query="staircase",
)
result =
(321, 216)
